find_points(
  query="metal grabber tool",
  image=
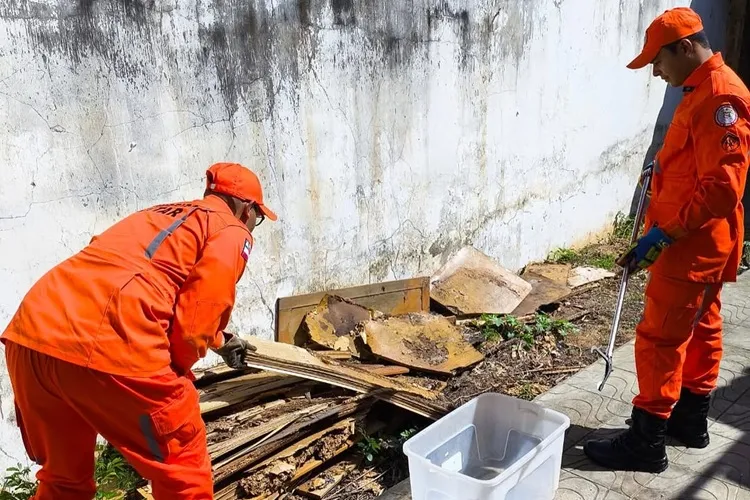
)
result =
(645, 182)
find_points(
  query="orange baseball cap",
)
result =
(238, 181)
(674, 24)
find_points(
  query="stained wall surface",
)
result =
(387, 134)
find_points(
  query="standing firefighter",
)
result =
(692, 244)
(105, 341)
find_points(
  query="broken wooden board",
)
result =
(584, 275)
(543, 291)
(393, 297)
(424, 341)
(320, 485)
(241, 389)
(293, 463)
(289, 435)
(285, 415)
(335, 354)
(296, 361)
(471, 283)
(333, 322)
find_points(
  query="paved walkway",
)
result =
(719, 472)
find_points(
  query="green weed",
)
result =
(497, 326)
(375, 448)
(564, 256)
(113, 475)
(622, 227)
(18, 484)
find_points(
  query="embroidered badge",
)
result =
(730, 142)
(246, 250)
(726, 115)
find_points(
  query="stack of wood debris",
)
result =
(343, 371)
(293, 420)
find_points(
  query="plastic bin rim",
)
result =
(543, 444)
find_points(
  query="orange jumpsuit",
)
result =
(104, 342)
(697, 187)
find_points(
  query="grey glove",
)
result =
(233, 350)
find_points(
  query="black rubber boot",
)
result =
(640, 448)
(689, 420)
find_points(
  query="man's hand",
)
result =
(233, 350)
(645, 251)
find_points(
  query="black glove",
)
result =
(233, 350)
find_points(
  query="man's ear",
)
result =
(687, 47)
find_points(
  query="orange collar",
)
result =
(703, 71)
(217, 204)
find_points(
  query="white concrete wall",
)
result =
(387, 134)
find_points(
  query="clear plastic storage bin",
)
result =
(494, 447)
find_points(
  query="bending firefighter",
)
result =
(692, 244)
(105, 341)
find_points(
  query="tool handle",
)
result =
(646, 180)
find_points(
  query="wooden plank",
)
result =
(386, 371)
(335, 354)
(392, 297)
(296, 361)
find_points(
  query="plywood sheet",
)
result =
(472, 283)
(584, 275)
(426, 342)
(393, 297)
(555, 272)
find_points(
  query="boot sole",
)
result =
(703, 443)
(651, 467)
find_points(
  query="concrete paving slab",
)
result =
(573, 487)
(719, 472)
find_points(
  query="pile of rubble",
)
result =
(293, 420)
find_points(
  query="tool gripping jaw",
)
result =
(607, 367)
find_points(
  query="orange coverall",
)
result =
(697, 187)
(104, 342)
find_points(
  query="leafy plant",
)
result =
(17, 484)
(375, 448)
(370, 448)
(563, 256)
(622, 227)
(113, 475)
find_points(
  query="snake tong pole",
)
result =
(623, 284)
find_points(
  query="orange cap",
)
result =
(238, 181)
(674, 24)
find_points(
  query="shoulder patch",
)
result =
(726, 115)
(730, 142)
(246, 248)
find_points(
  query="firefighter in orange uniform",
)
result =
(692, 243)
(104, 342)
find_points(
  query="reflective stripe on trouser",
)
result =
(155, 422)
(678, 342)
